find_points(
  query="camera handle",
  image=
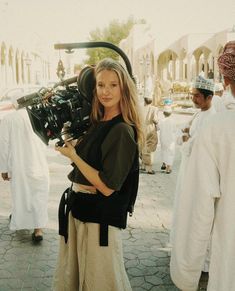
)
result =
(94, 44)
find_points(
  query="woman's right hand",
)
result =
(67, 150)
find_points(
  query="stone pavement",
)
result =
(25, 266)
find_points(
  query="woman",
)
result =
(91, 258)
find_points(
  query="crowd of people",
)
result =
(94, 209)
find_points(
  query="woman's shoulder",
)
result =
(124, 128)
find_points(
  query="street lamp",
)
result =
(60, 71)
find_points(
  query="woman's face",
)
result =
(108, 89)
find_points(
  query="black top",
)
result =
(116, 154)
(111, 148)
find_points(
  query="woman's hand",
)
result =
(67, 150)
(91, 174)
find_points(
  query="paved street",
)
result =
(24, 266)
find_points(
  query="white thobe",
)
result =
(150, 114)
(218, 103)
(207, 209)
(199, 120)
(228, 99)
(23, 157)
(167, 136)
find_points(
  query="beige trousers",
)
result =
(83, 265)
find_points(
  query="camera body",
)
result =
(64, 110)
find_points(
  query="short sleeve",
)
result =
(118, 152)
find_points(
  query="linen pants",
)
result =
(84, 265)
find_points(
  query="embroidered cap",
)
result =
(202, 83)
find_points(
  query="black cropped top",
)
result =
(115, 155)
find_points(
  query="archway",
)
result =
(17, 68)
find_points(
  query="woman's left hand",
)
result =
(67, 150)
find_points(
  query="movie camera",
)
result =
(64, 110)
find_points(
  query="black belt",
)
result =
(66, 202)
(63, 214)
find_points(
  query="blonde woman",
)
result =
(104, 177)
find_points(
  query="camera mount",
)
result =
(69, 47)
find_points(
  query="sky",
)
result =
(53, 21)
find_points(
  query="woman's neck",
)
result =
(110, 114)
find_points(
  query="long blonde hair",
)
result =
(129, 101)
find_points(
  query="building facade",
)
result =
(182, 61)
(19, 66)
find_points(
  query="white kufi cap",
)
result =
(202, 83)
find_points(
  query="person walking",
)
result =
(150, 117)
(157, 93)
(23, 163)
(167, 137)
(209, 195)
(104, 179)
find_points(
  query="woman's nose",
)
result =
(106, 90)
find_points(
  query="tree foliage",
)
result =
(113, 33)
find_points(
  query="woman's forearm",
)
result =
(92, 175)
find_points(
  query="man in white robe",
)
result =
(23, 163)
(150, 118)
(167, 136)
(202, 93)
(208, 201)
(217, 101)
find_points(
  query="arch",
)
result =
(202, 56)
(218, 51)
(3, 65)
(167, 64)
(22, 66)
(17, 67)
(28, 62)
(3, 54)
(152, 63)
(11, 67)
(10, 56)
(182, 53)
